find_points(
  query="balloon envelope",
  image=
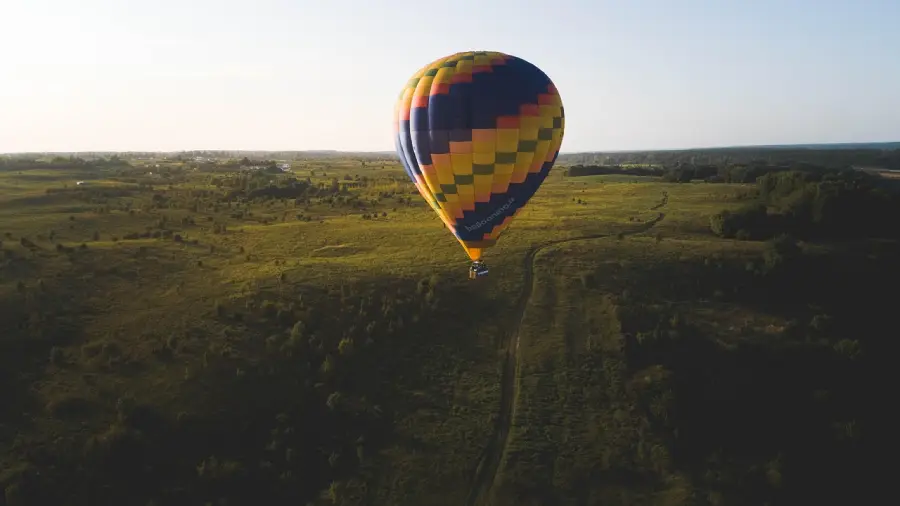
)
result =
(478, 132)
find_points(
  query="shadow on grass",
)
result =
(788, 419)
(304, 396)
(33, 324)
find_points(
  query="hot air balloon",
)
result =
(478, 132)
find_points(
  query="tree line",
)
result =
(685, 172)
(885, 156)
(814, 205)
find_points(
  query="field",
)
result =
(181, 335)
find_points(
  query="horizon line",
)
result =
(394, 153)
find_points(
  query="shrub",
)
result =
(57, 356)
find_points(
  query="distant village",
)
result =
(284, 166)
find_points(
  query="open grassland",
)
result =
(657, 370)
(189, 337)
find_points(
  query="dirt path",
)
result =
(489, 463)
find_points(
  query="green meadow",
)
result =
(178, 333)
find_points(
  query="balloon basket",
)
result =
(478, 269)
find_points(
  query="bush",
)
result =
(269, 309)
(57, 356)
(588, 280)
(69, 406)
(751, 221)
(13, 495)
(781, 251)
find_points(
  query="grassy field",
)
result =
(163, 344)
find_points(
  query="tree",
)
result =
(781, 251)
(752, 218)
(345, 347)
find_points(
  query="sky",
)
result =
(299, 74)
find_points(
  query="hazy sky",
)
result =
(324, 74)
